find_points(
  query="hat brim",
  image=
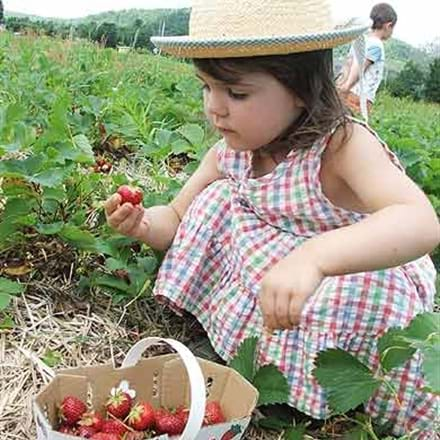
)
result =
(188, 47)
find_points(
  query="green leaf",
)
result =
(193, 133)
(10, 287)
(78, 237)
(112, 282)
(272, 385)
(295, 433)
(431, 365)
(397, 345)
(5, 300)
(52, 358)
(50, 178)
(274, 423)
(7, 323)
(50, 228)
(86, 151)
(393, 349)
(347, 382)
(244, 360)
(115, 264)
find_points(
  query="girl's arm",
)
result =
(206, 173)
(402, 226)
(156, 226)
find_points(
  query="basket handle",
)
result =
(195, 375)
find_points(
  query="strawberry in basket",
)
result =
(71, 410)
(120, 402)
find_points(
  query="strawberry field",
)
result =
(76, 122)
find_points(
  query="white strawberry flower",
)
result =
(124, 386)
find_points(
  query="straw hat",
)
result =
(242, 28)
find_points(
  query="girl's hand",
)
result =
(126, 219)
(286, 287)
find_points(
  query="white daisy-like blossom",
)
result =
(124, 386)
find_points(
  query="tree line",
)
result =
(135, 34)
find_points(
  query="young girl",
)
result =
(300, 219)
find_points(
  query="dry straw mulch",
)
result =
(53, 319)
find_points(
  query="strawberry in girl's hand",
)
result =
(213, 414)
(141, 416)
(119, 404)
(114, 427)
(168, 422)
(130, 194)
(71, 410)
(92, 419)
(105, 436)
(86, 431)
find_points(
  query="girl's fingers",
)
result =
(282, 301)
(119, 215)
(268, 309)
(112, 204)
(131, 221)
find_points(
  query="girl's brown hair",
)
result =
(308, 75)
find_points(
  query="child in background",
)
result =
(299, 219)
(384, 19)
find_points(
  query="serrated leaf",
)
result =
(193, 133)
(50, 178)
(85, 154)
(393, 349)
(431, 365)
(347, 381)
(397, 345)
(244, 361)
(272, 385)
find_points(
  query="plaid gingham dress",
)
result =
(239, 227)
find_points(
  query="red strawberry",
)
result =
(130, 194)
(105, 436)
(72, 409)
(66, 429)
(141, 416)
(114, 427)
(119, 405)
(183, 413)
(86, 431)
(213, 414)
(168, 422)
(92, 419)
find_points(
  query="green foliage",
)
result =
(349, 383)
(432, 90)
(268, 380)
(8, 289)
(410, 82)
